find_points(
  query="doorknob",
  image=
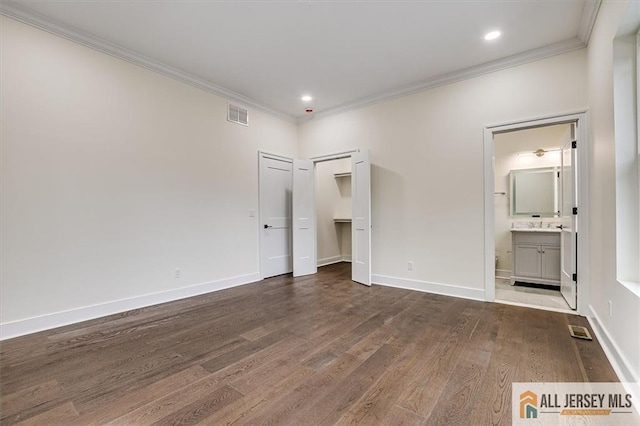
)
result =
(268, 226)
(559, 227)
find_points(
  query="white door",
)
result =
(568, 235)
(304, 219)
(275, 215)
(361, 218)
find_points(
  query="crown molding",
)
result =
(70, 33)
(452, 77)
(588, 20)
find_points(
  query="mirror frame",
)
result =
(512, 189)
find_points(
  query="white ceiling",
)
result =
(267, 54)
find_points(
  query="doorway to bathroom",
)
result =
(532, 215)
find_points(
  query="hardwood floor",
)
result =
(311, 350)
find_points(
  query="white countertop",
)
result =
(553, 230)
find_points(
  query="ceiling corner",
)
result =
(588, 20)
(20, 14)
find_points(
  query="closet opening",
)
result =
(333, 212)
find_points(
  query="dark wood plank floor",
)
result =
(312, 350)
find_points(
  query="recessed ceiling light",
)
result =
(306, 98)
(492, 35)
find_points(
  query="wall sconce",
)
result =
(538, 152)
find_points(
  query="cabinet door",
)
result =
(527, 261)
(551, 263)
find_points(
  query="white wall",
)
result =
(112, 177)
(506, 147)
(621, 331)
(333, 200)
(427, 174)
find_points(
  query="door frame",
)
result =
(261, 242)
(330, 157)
(580, 118)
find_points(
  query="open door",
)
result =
(361, 218)
(568, 212)
(304, 219)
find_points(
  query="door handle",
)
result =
(559, 227)
(268, 226)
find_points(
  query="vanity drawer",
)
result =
(538, 238)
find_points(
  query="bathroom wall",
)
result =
(507, 146)
(333, 200)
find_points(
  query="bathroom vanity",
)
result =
(536, 255)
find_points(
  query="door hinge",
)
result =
(574, 277)
(575, 210)
(574, 144)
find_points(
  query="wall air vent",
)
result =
(238, 115)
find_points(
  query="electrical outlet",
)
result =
(252, 213)
(176, 274)
(410, 266)
(610, 309)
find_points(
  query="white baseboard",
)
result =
(59, 319)
(503, 273)
(329, 260)
(346, 258)
(429, 287)
(618, 361)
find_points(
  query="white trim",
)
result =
(73, 316)
(539, 307)
(583, 269)
(620, 364)
(329, 260)
(430, 287)
(335, 156)
(632, 286)
(346, 258)
(504, 274)
(452, 77)
(74, 34)
(589, 15)
(489, 225)
(275, 156)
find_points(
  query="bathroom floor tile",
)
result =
(529, 295)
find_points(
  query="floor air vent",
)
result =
(579, 332)
(238, 115)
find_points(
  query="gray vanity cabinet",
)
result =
(536, 256)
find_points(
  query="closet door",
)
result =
(361, 218)
(304, 219)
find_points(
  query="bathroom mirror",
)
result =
(535, 192)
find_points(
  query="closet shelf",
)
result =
(339, 175)
(342, 220)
